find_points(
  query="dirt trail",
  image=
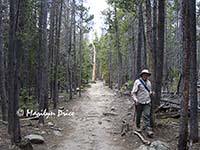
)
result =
(92, 129)
(96, 124)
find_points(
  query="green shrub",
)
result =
(24, 95)
(130, 85)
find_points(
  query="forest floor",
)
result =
(95, 125)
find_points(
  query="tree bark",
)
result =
(119, 55)
(25, 51)
(67, 41)
(110, 55)
(14, 58)
(3, 97)
(150, 38)
(81, 44)
(193, 75)
(154, 46)
(57, 50)
(11, 61)
(74, 73)
(160, 51)
(69, 48)
(183, 131)
(144, 45)
(139, 46)
(43, 57)
(51, 44)
(165, 65)
(151, 45)
(132, 50)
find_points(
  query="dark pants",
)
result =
(144, 111)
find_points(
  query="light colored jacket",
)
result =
(139, 93)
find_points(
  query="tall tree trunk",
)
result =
(153, 51)
(154, 46)
(14, 58)
(178, 48)
(67, 41)
(150, 37)
(51, 44)
(165, 66)
(3, 97)
(119, 55)
(132, 50)
(81, 45)
(74, 75)
(46, 53)
(139, 46)
(144, 45)
(11, 66)
(150, 46)
(25, 70)
(187, 46)
(160, 51)
(69, 49)
(43, 86)
(193, 74)
(57, 50)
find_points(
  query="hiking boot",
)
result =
(149, 132)
(138, 129)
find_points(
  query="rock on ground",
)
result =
(156, 145)
(35, 139)
(57, 133)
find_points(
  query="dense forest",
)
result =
(45, 51)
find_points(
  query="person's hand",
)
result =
(152, 93)
(135, 101)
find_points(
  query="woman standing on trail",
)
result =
(141, 93)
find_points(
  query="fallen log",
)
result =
(109, 114)
(160, 108)
(169, 115)
(166, 108)
(56, 129)
(141, 137)
(4, 122)
(174, 104)
(170, 102)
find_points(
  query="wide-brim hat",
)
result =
(145, 71)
